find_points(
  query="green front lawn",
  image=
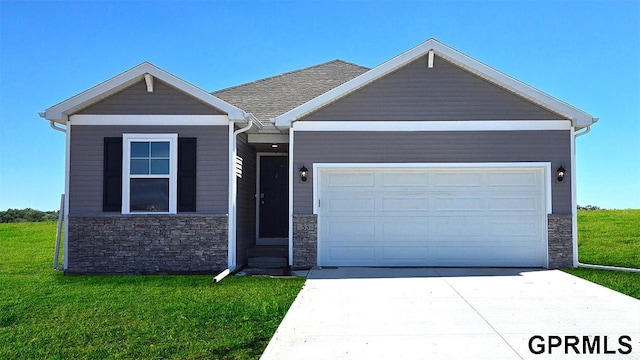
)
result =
(610, 237)
(46, 315)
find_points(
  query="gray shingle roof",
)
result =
(273, 96)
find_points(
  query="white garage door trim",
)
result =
(318, 168)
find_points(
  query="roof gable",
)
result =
(61, 112)
(273, 96)
(444, 92)
(578, 117)
(164, 100)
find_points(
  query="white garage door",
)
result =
(431, 217)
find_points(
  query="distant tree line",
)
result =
(27, 215)
(588, 207)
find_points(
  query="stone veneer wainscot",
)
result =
(305, 241)
(560, 241)
(147, 244)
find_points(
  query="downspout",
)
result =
(64, 215)
(592, 266)
(233, 185)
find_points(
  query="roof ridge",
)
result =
(288, 73)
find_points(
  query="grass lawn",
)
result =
(46, 315)
(610, 237)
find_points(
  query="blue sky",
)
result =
(586, 53)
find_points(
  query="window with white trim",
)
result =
(149, 173)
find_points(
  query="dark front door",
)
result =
(274, 197)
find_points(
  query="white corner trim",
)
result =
(579, 117)
(545, 167)
(481, 125)
(291, 181)
(181, 120)
(67, 171)
(268, 139)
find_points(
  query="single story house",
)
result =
(429, 159)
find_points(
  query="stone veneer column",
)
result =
(147, 244)
(305, 241)
(560, 241)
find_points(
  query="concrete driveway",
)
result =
(373, 313)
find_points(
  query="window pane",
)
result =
(149, 195)
(139, 166)
(140, 149)
(160, 149)
(160, 166)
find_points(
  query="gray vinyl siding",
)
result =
(432, 147)
(444, 92)
(246, 211)
(86, 172)
(164, 100)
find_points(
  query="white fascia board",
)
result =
(579, 118)
(61, 111)
(268, 138)
(181, 120)
(480, 125)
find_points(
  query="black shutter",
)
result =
(112, 183)
(187, 174)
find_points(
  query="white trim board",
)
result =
(497, 125)
(181, 120)
(291, 197)
(545, 166)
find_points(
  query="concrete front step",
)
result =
(259, 271)
(267, 262)
(268, 251)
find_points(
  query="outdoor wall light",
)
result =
(303, 173)
(561, 172)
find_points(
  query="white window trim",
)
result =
(173, 170)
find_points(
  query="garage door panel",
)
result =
(399, 180)
(458, 203)
(456, 179)
(337, 229)
(349, 179)
(396, 204)
(350, 204)
(409, 254)
(514, 203)
(510, 179)
(514, 228)
(432, 217)
(404, 228)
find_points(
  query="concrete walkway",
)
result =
(373, 313)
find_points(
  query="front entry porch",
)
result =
(263, 209)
